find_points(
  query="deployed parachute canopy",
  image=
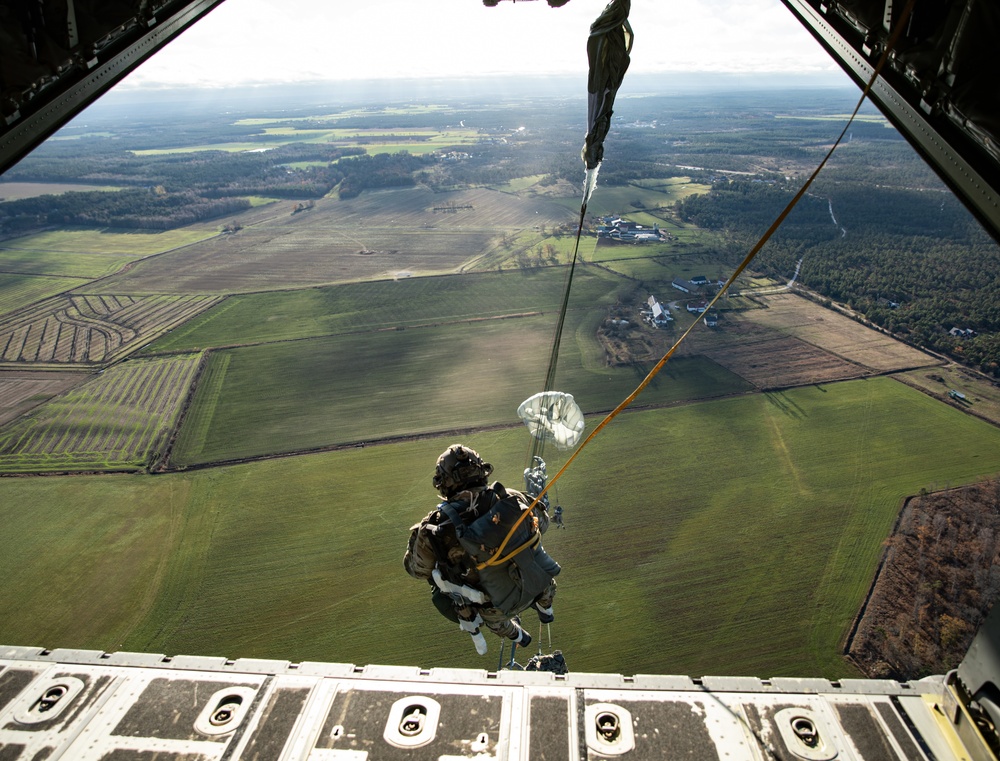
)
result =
(608, 49)
(553, 416)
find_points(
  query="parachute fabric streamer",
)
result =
(554, 416)
(608, 49)
(590, 184)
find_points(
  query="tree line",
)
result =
(151, 209)
(164, 191)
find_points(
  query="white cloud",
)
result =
(301, 40)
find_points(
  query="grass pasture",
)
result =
(19, 291)
(299, 395)
(632, 199)
(359, 307)
(60, 263)
(736, 536)
(109, 241)
(982, 396)
(117, 420)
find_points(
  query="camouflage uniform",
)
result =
(445, 550)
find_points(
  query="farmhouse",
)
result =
(697, 307)
(711, 319)
(962, 332)
(659, 314)
(616, 228)
(699, 280)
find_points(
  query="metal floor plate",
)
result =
(92, 706)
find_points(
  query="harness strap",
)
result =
(452, 514)
(499, 558)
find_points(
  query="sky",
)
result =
(276, 41)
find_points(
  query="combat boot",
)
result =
(521, 638)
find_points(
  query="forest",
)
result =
(176, 189)
(911, 261)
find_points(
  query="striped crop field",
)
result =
(87, 329)
(120, 420)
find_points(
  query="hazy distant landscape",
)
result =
(229, 361)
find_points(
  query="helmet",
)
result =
(459, 468)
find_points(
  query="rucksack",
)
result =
(527, 569)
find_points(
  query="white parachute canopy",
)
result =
(553, 416)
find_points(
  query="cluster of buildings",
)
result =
(658, 315)
(616, 228)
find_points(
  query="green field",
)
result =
(59, 263)
(729, 537)
(298, 395)
(17, 291)
(109, 242)
(373, 141)
(82, 254)
(622, 199)
(288, 315)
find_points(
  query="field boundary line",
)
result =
(162, 463)
(968, 410)
(848, 639)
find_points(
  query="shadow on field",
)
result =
(783, 403)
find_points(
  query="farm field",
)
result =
(60, 263)
(982, 395)
(13, 191)
(622, 199)
(769, 359)
(117, 420)
(299, 395)
(33, 267)
(800, 343)
(373, 141)
(18, 291)
(20, 390)
(378, 235)
(677, 557)
(110, 241)
(657, 269)
(355, 307)
(85, 330)
(836, 334)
